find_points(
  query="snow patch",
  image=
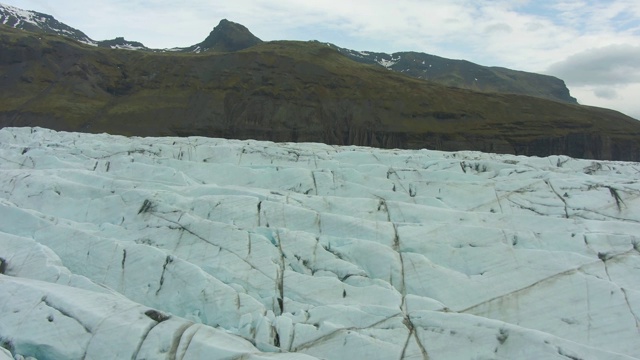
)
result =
(21, 15)
(127, 47)
(388, 63)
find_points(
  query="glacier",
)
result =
(201, 248)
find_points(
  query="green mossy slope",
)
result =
(285, 91)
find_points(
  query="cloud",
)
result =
(609, 65)
(500, 27)
(606, 93)
(623, 98)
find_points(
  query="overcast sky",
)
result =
(594, 45)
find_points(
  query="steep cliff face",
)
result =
(286, 91)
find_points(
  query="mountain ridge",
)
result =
(230, 36)
(466, 74)
(36, 21)
(286, 91)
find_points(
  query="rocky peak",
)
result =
(228, 36)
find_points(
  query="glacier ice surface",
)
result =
(199, 248)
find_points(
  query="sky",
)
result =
(593, 45)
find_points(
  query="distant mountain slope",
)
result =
(467, 75)
(39, 22)
(286, 91)
(229, 36)
(121, 43)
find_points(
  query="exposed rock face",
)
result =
(286, 91)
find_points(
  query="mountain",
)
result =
(39, 22)
(230, 36)
(286, 91)
(201, 248)
(466, 75)
(226, 36)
